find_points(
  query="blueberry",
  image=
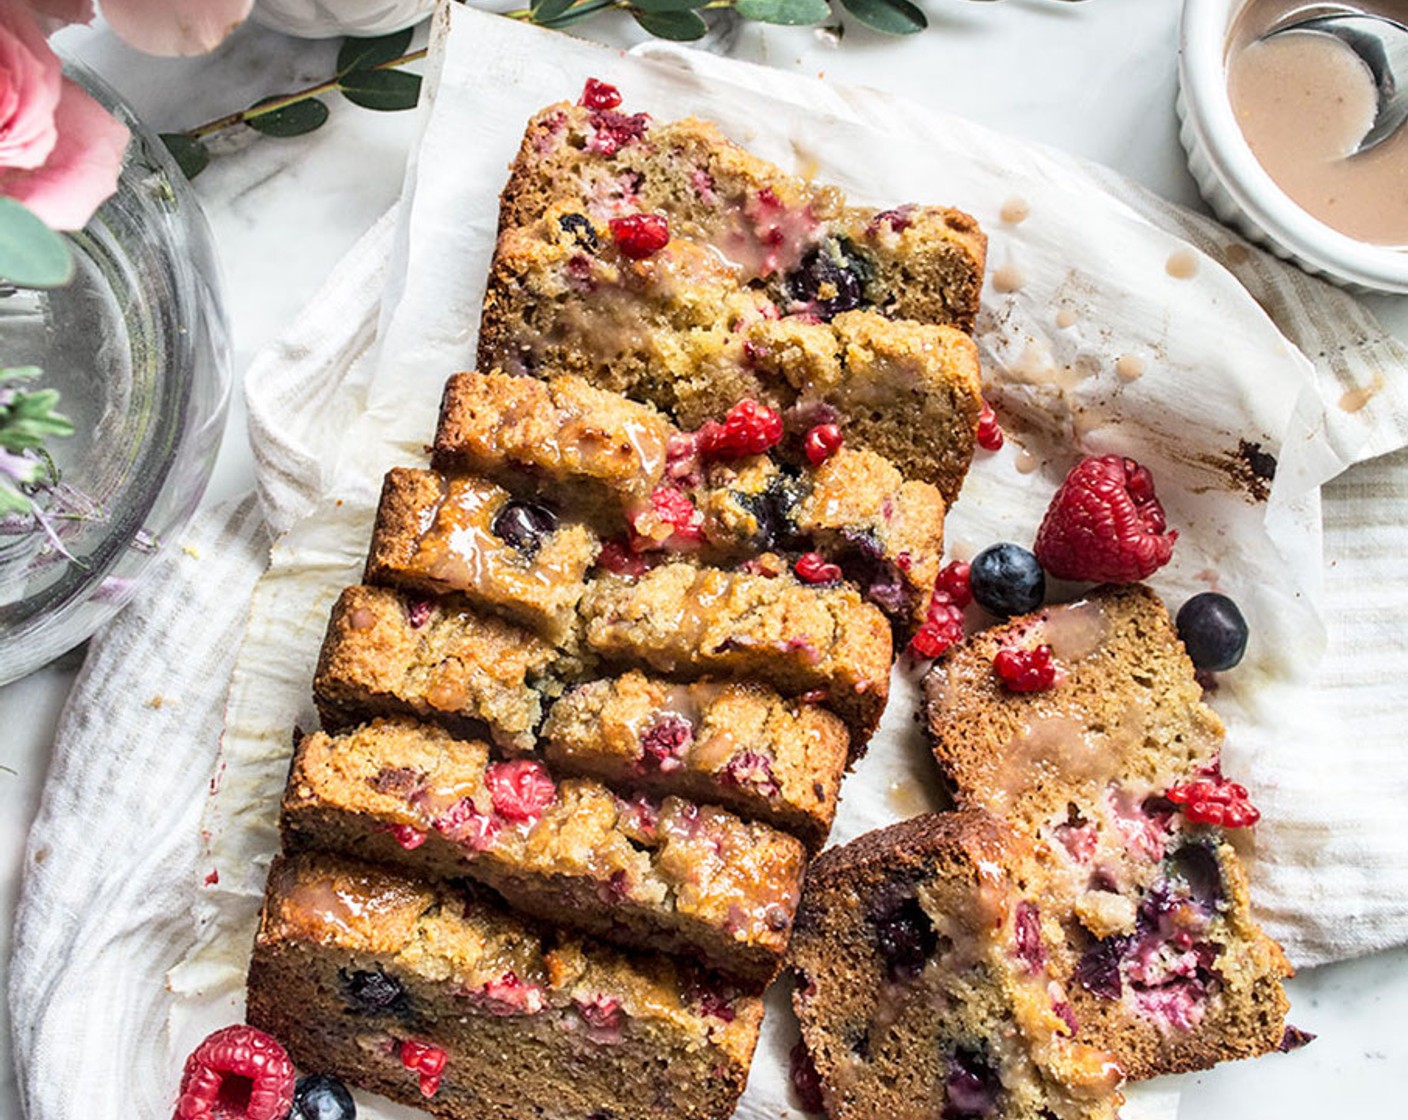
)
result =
(372, 992)
(831, 279)
(523, 525)
(1213, 630)
(906, 939)
(1098, 970)
(971, 1087)
(581, 229)
(322, 1097)
(1198, 867)
(1006, 580)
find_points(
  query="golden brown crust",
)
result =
(668, 876)
(510, 1007)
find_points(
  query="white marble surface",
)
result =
(1097, 79)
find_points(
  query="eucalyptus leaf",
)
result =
(292, 120)
(191, 155)
(19, 373)
(678, 26)
(893, 17)
(579, 12)
(12, 501)
(388, 91)
(661, 6)
(31, 254)
(546, 11)
(363, 54)
(791, 13)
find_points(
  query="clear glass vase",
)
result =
(138, 347)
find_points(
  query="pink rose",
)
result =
(60, 151)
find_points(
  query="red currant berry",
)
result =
(822, 442)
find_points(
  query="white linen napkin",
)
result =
(118, 860)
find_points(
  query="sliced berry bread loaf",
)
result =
(391, 653)
(665, 262)
(463, 534)
(818, 642)
(446, 1003)
(669, 876)
(920, 957)
(1114, 772)
(722, 495)
(913, 262)
(741, 746)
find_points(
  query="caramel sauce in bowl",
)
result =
(1294, 189)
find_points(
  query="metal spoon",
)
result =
(1382, 44)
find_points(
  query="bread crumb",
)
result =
(157, 702)
(191, 551)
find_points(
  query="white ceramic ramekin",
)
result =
(1232, 180)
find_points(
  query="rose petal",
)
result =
(81, 170)
(29, 90)
(173, 26)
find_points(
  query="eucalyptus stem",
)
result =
(273, 105)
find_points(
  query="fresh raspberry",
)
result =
(1025, 670)
(753, 770)
(942, 629)
(953, 581)
(749, 428)
(426, 1060)
(237, 1073)
(822, 442)
(613, 131)
(640, 235)
(1213, 801)
(599, 95)
(1105, 524)
(989, 430)
(812, 567)
(521, 789)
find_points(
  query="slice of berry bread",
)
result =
(800, 240)
(738, 745)
(920, 955)
(388, 653)
(669, 876)
(1169, 968)
(711, 495)
(819, 642)
(679, 331)
(435, 535)
(446, 1003)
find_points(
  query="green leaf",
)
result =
(578, 12)
(363, 54)
(385, 90)
(659, 6)
(19, 373)
(31, 254)
(545, 11)
(791, 13)
(191, 155)
(30, 420)
(11, 500)
(893, 17)
(292, 120)
(679, 26)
